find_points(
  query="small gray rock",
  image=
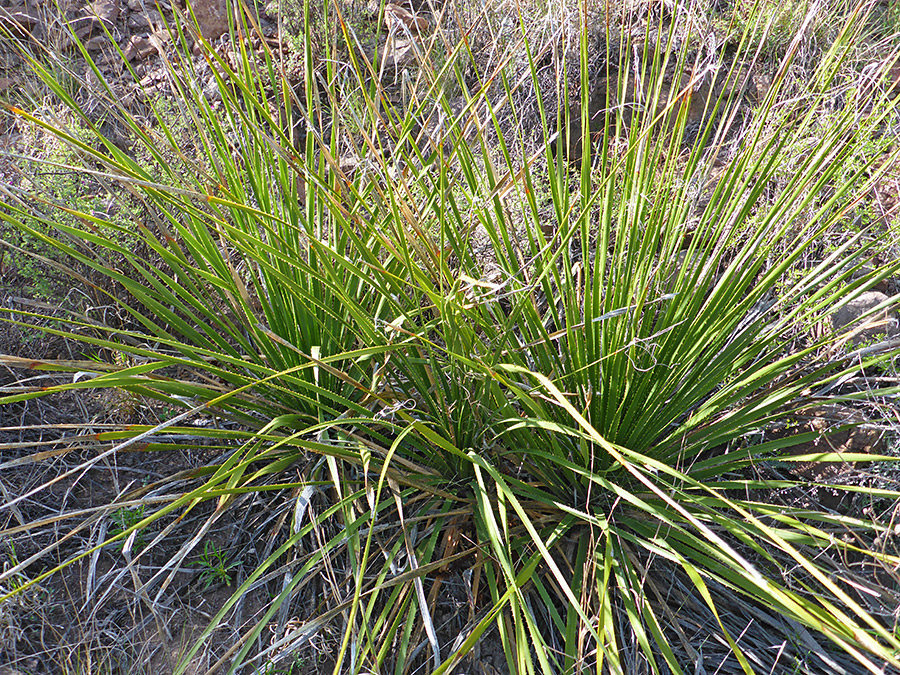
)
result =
(138, 22)
(882, 323)
(96, 43)
(212, 17)
(139, 47)
(105, 10)
(211, 90)
(20, 22)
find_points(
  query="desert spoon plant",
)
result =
(502, 390)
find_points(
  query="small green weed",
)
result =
(214, 565)
(296, 666)
(17, 581)
(125, 519)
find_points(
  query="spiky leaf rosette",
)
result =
(545, 363)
